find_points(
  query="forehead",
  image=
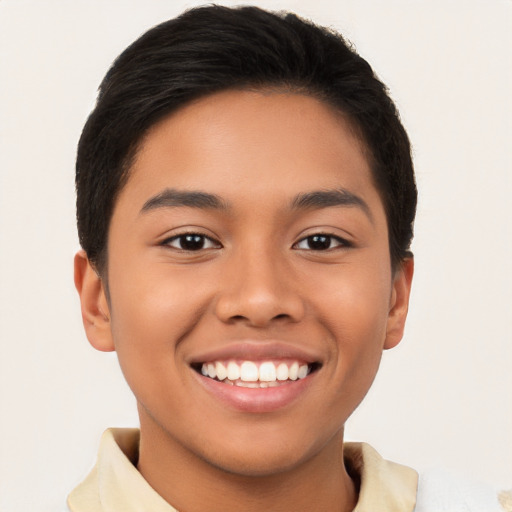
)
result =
(246, 145)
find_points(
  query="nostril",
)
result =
(238, 317)
(258, 307)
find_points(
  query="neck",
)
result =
(319, 483)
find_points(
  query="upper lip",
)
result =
(251, 350)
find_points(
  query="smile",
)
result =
(257, 376)
(253, 374)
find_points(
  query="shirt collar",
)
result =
(385, 485)
(115, 484)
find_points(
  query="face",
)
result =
(250, 283)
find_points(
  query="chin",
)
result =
(257, 465)
(263, 459)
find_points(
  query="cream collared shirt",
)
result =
(115, 485)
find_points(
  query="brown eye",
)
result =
(321, 242)
(191, 242)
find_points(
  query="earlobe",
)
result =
(399, 303)
(94, 304)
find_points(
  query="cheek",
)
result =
(154, 301)
(354, 309)
(362, 316)
(149, 317)
(355, 300)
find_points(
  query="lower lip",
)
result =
(256, 400)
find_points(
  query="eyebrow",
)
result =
(328, 198)
(318, 199)
(193, 199)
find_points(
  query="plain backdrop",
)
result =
(442, 398)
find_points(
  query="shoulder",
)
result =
(118, 448)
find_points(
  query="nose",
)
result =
(259, 290)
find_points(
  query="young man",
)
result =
(245, 201)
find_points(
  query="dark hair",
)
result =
(214, 48)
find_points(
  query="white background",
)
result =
(442, 398)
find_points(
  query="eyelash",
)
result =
(192, 235)
(315, 237)
(202, 239)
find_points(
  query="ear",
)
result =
(94, 304)
(399, 303)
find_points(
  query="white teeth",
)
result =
(249, 372)
(249, 375)
(254, 385)
(222, 373)
(243, 384)
(267, 372)
(233, 371)
(303, 371)
(282, 372)
(293, 372)
(211, 371)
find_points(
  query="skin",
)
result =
(258, 279)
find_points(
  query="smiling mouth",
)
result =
(256, 374)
